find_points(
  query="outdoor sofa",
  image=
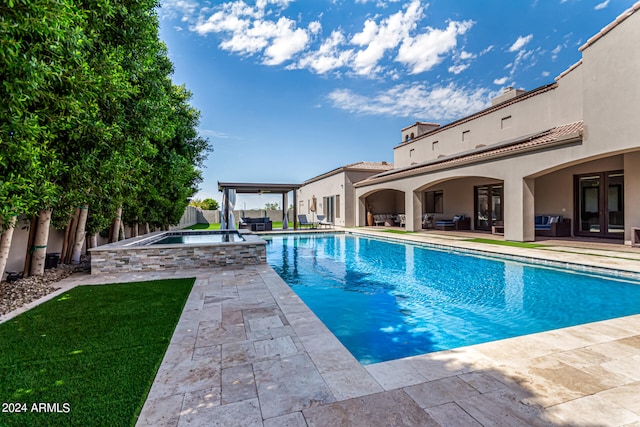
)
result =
(552, 226)
(256, 224)
(459, 222)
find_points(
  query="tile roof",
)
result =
(624, 15)
(557, 135)
(526, 95)
(358, 166)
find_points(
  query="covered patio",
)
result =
(230, 189)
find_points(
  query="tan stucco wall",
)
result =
(330, 186)
(554, 191)
(556, 107)
(18, 250)
(612, 87)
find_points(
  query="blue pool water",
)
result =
(386, 300)
(198, 238)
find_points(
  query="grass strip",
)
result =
(91, 354)
(506, 243)
(397, 231)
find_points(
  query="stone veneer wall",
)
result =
(147, 258)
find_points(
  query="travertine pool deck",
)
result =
(248, 352)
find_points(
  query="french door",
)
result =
(488, 206)
(599, 204)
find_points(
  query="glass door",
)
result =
(482, 208)
(615, 204)
(488, 206)
(600, 204)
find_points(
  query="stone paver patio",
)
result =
(248, 352)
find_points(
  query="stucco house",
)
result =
(335, 193)
(565, 152)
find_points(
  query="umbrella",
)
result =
(314, 206)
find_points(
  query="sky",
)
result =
(288, 89)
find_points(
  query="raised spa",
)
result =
(173, 250)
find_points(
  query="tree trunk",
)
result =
(27, 256)
(79, 237)
(115, 231)
(72, 236)
(39, 247)
(65, 242)
(5, 245)
(123, 234)
(146, 228)
(134, 230)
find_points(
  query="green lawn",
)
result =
(506, 243)
(391, 230)
(94, 351)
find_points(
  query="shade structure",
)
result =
(257, 188)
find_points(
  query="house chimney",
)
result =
(507, 94)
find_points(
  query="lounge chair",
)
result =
(303, 221)
(321, 221)
(459, 222)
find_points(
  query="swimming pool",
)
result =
(386, 300)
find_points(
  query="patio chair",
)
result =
(303, 221)
(321, 221)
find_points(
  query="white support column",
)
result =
(285, 209)
(631, 199)
(413, 208)
(361, 212)
(519, 209)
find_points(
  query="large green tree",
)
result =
(43, 85)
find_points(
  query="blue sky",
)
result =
(292, 89)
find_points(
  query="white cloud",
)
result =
(545, 74)
(262, 29)
(286, 42)
(520, 42)
(457, 69)
(439, 102)
(501, 81)
(248, 32)
(425, 51)
(486, 50)
(466, 55)
(378, 38)
(329, 56)
(602, 5)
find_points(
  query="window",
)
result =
(411, 152)
(337, 206)
(505, 123)
(434, 201)
(434, 145)
(466, 136)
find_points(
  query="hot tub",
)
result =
(174, 250)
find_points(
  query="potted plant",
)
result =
(369, 215)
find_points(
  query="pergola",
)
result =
(257, 188)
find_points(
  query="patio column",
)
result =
(285, 211)
(295, 209)
(519, 209)
(413, 208)
(631, 199)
